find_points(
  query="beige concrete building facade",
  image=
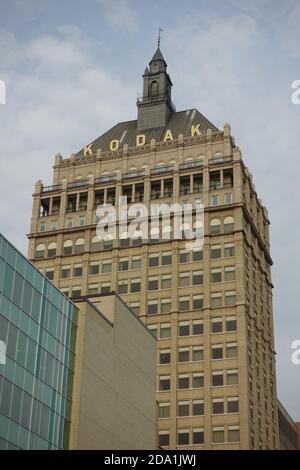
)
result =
(288, 430)
(210, 309)
(114, 382)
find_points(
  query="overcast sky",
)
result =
(73, 69)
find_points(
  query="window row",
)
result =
(196, 407)
(196, 353)
(196, 380)
(185, 437)
(185, 303)
(184, 329)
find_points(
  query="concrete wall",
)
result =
(114, 390)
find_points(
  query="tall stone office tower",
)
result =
(211, 309)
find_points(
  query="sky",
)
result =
(73, 69)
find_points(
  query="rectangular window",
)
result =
(198, 380)
(198, 353)
(233, 405)
(164, 438)
(216, 300)
(215, 251)
(135, 307)
(106, 266)
(183, 355)
(228, 198)
(198, 407)
(165, 330)
(183, 328)
(76, 292)
(93, 289)
(218, 406)
(183, 408)
(164, 410)
(232, 377)
(136, 262)
(135, 285)
(217, 351)
(198, 327)
(94, 268)
(164, 382)
(165, 356)
(166, 282)
(153, 260)
(183, 437)
(50, 274)
(197, 278)
(122, 287)
(184, 256)
(231, 324)
(197, 302)
(229, 250)
(183, 381)
(105, 287)
(230, 299)
(218, 435)
(184, 279)
(216, 325)
(198, 436)
(77, 271)
(215, 275)
(231, 350)
(153, 283)
(229, 274)
(217, 379)
(184, 303)
(233, 433)
(166, 258)
(165, 306)
(198, 255)
(123, 264)
(65, 272)
(215, 200)
(152, 307)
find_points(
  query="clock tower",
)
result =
(155, 106)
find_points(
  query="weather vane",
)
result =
(158, 39)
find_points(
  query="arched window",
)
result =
(188, 162)
(40, 251)
(154, 234)
(215, 226)
(68, 247)
(218, 157)
(51, 249)
(133, 171)
(154, 90)
(96, 244)
(79, 246)
(167, 232)
(228, 224)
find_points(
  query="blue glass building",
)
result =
(38, 327)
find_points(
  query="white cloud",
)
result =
(58, 101)
(120, 14)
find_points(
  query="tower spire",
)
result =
(160, 30)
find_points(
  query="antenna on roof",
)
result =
(160, 30)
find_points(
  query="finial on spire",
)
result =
(160, 30)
